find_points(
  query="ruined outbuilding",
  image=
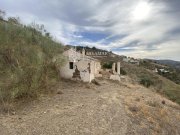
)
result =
(79, 66)
(115, 71)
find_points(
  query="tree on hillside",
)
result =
(14, 20)
(47, 34)
(94, 48)
(2, 14)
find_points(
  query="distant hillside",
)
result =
(171, 63)
(154, 81)
(172, 73)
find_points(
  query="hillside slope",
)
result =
(117, 108)
(171, 63)
(25, 62)
(155, 82)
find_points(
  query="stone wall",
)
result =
(93, 53)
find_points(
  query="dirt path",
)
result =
(79, 110)
(87, 109)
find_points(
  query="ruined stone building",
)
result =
(115, 74)
(79, 66)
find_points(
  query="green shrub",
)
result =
(107, 65)
(122, 71)
(146, 81)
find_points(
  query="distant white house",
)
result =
(79, 66)
(163, 70)
(131, 60)
(126, 59)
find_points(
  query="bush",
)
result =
(122, 71)
(146, 81)
(107, 65)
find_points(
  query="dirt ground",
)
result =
(111, 108)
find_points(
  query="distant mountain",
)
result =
(171, 63)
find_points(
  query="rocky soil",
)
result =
(111, 108)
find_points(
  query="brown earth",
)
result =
(111, 108)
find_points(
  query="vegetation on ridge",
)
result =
(26, 60)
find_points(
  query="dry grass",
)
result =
(6, 108)
(149, 114)
(160, 84)
(154, 104)
(26, 66)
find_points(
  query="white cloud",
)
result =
(168, 50)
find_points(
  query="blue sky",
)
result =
(137, 28)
